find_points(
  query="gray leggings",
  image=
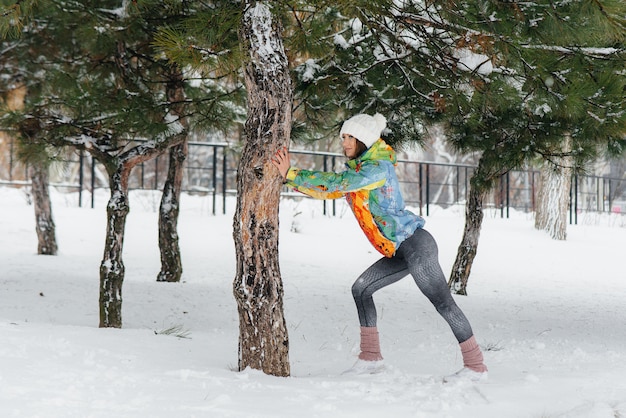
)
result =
(418, 256)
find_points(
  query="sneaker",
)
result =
(365, 367)
(466, 375)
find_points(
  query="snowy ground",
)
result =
(549, 316)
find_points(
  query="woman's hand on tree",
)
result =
(282, 162)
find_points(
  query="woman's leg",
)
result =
(421, 254)
(382, 273)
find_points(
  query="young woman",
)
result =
(371, 188)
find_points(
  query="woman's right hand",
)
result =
(282, 161)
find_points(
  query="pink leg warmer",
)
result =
(370, 344)
(472, 356)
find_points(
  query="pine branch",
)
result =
(14, 17)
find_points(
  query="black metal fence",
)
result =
(210, 170)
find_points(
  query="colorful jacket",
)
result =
(372, 190)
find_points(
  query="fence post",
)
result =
(610, 197)
(214, 177)
(427, 189)
(11, 160)
(156, 173)
(501, 196)
(224, 163)
(467, 184)
(80, 178)
(325, 168)
(93, 182)
(576, 200)
(508, 191)
(573, 201)
(532, 190)
(421, 186)
(456, 184)
(334, 202)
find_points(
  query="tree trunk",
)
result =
(257, 287)
(469, 244)
(487, 171)
(171, 263)
(554, 194)
(44, 223)
(112, 266)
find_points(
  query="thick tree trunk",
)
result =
(469, 244)
(112, 266)
(258, 288)
(554, 194)
(44, 223)
(171, 262)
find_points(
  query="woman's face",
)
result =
(349, 146)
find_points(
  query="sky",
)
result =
(548, 315)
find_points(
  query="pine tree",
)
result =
(557, 73)
(258, 290)
(101, 89)
(243, 44)
(37, 158)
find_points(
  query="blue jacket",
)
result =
(372, 190)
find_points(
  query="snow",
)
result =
(548, 314)
(264, 43)
(542, 109)
(471, 61)
(308, 70)
(340, 41)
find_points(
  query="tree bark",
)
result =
(171, 262)
(257, 287)
(554, 194)
(44, 223)
(469, 243)
(112, 266)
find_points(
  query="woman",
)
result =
(371, 188)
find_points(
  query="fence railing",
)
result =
(210, 169)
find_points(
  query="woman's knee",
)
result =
(358, 288)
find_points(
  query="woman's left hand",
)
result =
(282, 161)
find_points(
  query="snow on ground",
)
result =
(548, 314)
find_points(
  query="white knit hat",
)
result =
(365, 128)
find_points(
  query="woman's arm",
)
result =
(328, 185)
